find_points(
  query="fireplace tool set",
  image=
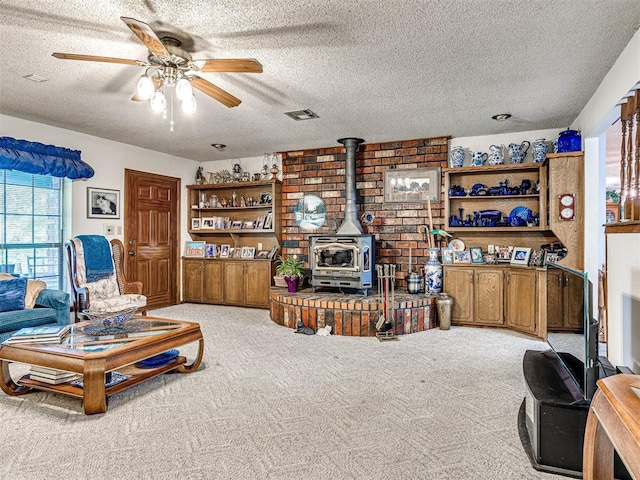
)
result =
(386, 274)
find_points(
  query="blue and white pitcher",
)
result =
(518, 152)
(478, 158)
(497, 156)
(540, 149)
(457, 157)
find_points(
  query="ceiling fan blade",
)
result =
(146, 36)
(94, 58)
(214, 92)
(241, 65)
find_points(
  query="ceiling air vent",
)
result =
(302, 115)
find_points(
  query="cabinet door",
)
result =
(212, 282)
(233, 287)
(573, 303)
(258, 283)
(521, 300)
(489, 296)
(458, 283)
(192, 280)
(554, 299)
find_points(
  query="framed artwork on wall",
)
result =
(412, 186)
(103, 203)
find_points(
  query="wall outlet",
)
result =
(259, 246)
(109, 229)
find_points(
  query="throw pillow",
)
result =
(12, 293)
(34, 287)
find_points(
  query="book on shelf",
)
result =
(54, 381)
(50, 372)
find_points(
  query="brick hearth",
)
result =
(352, 315)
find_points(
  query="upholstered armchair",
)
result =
(97, 276)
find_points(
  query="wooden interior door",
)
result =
(151, 237)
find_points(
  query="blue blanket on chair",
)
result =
(97, 257)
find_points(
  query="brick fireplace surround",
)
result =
(321, 172)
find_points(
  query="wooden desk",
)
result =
(613, 422)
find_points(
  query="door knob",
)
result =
(132, 253)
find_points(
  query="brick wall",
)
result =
(321, 172)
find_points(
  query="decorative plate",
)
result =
(160, 359)
(478, 186)
(521, 212)
(456, 245)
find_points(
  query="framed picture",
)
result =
(103, 203)
(476, 254)
(224, 251)
(447, 255)
(273, 251)
(265, 198)
(210, 250)
(520, 256)
(208, 222)
(195, 224)
(461, 257)
(412, 186)
(248, 224)
(236, 224)
(194, 249)
(263, 254)
(536, 259)
(260, 222)
(268, 221)
(550, 257)
(235, 252)
(248, 252)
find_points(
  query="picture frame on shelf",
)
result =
(249, 225)
(550, 257)
(210, 250)
(260, 222)
(195, 223)
(461, 257)
(235, 252)
(208, 222)
(265, 198)
(103, 203)
(476, 254)
(520, 256)
(262, 254)
(194, 249)
(273, 251)
(248, 252)
(268, 220)
(412, 186)
(236, 224)
(537, 258)
(224, 250)
(447, 255)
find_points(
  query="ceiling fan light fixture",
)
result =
(158, 102)
(145, 87)
(189, 105)
(184, 91)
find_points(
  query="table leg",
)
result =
(94, 397)
(196, 363)
(598, 450)
(7, 385)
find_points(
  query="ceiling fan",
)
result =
(169, 65)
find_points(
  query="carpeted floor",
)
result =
(271, 404)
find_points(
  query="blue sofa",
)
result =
(52, 307)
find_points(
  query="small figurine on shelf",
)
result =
(199, 176)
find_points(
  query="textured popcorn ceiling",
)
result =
(377, 69)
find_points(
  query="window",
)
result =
(31, 226)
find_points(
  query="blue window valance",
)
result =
(40, 159)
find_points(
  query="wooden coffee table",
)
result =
(94, 352)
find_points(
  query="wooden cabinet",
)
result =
(238, 214)
(226, 282)
(521, 299)
(565, 310)
(498, 295)
(478, 295)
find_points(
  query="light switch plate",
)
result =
(109, 229)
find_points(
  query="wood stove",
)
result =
(342, 261)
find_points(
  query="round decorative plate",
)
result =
(521, 212)
(478, 186)
(160, 359)
(456, 245)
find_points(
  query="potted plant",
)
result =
(291, 269)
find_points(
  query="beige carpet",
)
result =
(271, 404)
